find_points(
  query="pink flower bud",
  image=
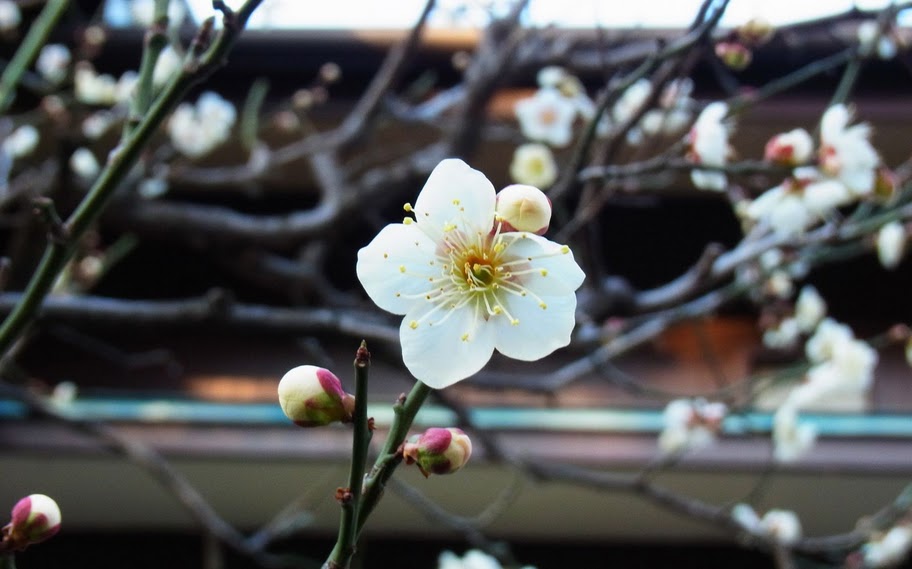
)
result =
(438, 451)
(35, 518)
(734, 55)
(312, 396)
(523, 208)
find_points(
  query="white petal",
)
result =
(539, 331)
(441, 352)
(455, 194)
(556, 271)
(397, 264)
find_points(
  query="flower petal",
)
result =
(441, 353)
(457, 194)
(539, 331)
(396, 266)
(556, 271)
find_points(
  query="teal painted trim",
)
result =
(622, 421)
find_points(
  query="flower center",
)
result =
(479, 272)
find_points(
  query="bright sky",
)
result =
(374, 14)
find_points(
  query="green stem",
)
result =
(156, 40)
(341, 555)
(121, 161)
(389, 457)
(28, 51)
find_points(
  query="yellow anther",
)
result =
(542, 305)
(408, 221)
(465, 337)
(407, 207)
(498, 310)
(565, 249)
(449, 227)
(514, 322)
(386, 256)
(413, 324)
(544, 272)
(401, 268)
(455, 202)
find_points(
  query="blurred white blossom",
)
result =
(891, 244)
(169, 63)
(195, 130)
(473, 559)
(84, 164)
(792, 148)
(690, 424)
(782, 526)
(143, 13)
(533, 164)
(10, 16)
(791, 439)
(810, 308)
(709, 146)
(54, 62)
(845, 151)
(889, 549)
(547, 117)
(21, 142)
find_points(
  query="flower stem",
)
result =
(389, 458)
(28, 51)
(350, 498)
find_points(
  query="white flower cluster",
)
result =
(473, 559)
(782, 526)
(846, 171)
(690, 424)
(872, 39)
(843, 366)
(195, 130)
(708, 139)
(143, 12)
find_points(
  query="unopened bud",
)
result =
(312, 396)
(791, 148)
(438, 451)
(755, 32)
(734, 55)
(35, 518)
(885, 184)
(523, 208)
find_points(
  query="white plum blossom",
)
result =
(84, 164)
(547, 117)
(533, 164)
(845, 151)
(791, 148)
(195, 130)
(10, 16)
(465, 286)
(791, 439)
(671, 115)
(95, 125)
(690, 424)
(891, 244)
(21, 142)
(799, 202)
(709, 146)
(871, 39)
(890, 549)
(53, 62)
(168, 63)
(473, 559)
(143, 13)
(783, 526)
(810, 309)
(784, 335)
(92, 88)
